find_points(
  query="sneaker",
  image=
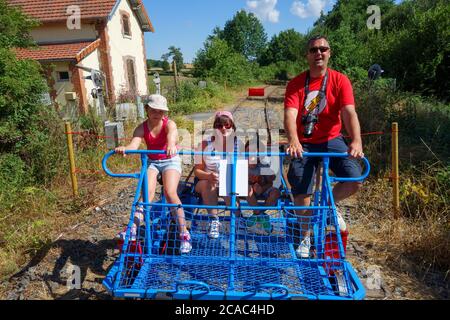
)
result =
(213, 229)
(185, 246)
(139, 214)
(341, 222)
(122, 235)
(303, 249)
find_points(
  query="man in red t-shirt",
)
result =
(314, 104)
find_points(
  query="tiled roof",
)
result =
(56, 10)
(53, 52)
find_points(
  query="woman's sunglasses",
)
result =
(321, 49)
(220, 126)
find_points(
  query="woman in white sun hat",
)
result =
(160, 133)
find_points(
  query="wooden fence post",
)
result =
(395, 171)
(71, 155)
(175, 73)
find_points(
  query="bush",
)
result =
(13, 177)
(45, 147)
(267, 73)
(189, 97)
(219, 62)
(282, 70)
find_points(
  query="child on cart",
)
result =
(206, 169)
(261, 180)
(160, 133)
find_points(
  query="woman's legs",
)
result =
(251, 199)
(138, 218)
(152, 176)
(209, 195)
(171, 178)
(273, 197)
(208, 192)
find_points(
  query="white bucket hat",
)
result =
(158, 102)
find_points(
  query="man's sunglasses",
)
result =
(219, 126)
(321, 49)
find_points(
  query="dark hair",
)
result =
(223, 120)
(314, 38)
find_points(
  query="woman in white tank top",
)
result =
(207, 166)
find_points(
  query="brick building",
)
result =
(106, 35)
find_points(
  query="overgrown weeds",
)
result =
(423, 232)
(36, 207)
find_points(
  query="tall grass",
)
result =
(423, 231)
(33, 213)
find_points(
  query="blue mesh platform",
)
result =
(252, 256)
(182, 278)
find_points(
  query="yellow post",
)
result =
(395, 171)
(73, 175)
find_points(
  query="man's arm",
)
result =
(351, 123)
(290, 125)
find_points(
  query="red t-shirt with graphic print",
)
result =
(339, 93)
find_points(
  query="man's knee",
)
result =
(353, 187)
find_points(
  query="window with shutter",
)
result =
(126, 26)
(131, 75)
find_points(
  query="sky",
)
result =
(186, 24)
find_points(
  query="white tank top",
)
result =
(211, 162)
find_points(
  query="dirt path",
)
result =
(89, 244)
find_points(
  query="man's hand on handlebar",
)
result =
(355, 150)
(295, 149)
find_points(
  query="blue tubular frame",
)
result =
(323, 203)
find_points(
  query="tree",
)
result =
(245, 34)
(216, 33)
(14, 27)
(26, 141)
(286, 46)
(412, 46)
(154, 63)
(221, 63)
(176, 55)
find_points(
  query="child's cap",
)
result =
(158, 102)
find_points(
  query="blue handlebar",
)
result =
(279, 154)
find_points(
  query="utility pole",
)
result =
(175, 73)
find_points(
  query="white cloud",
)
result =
(311, 9)
(264, 9)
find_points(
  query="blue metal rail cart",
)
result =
(248, 261)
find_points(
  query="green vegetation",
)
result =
(176, 55)
(31, 148)
(219, 62)
(412, 46)
(245, 34)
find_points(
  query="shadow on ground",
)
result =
(85, 255)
